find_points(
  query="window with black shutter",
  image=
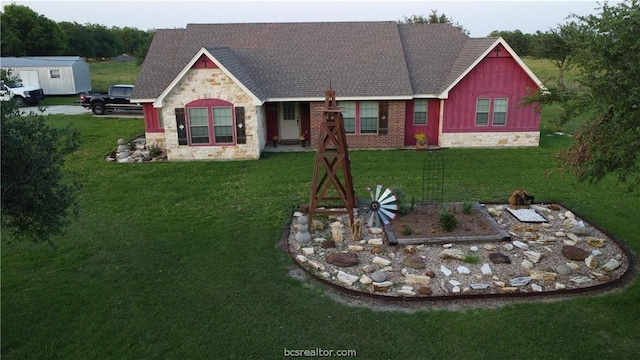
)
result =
(383, 120)
(241, 134)
(181, 125)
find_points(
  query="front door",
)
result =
(289, 121)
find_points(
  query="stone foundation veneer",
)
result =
(155, 139)
(489, 140)
(210, 83)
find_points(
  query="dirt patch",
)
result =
(423, 221)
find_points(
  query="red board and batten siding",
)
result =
(431, 128)
(151, 120)
(494, 77)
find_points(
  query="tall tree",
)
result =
(25, 32)
(556, 46)
(519, 41)
(36, 196)
(433, 18)
(78, 40)
(606, 50)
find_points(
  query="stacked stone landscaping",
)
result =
(563, 255)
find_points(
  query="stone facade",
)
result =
(211, 83)
(489, 139)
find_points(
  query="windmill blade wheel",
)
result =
(382, 207)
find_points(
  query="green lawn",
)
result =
(181, 261)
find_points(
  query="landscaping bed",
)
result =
(566, 254)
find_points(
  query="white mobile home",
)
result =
(56, 75)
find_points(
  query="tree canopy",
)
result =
(519, 42)
(606, 49)
(556, 45)
(37, 197)
(433, 18)
(26, 33)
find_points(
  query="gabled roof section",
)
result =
(298, 61)
(472, 53)
(228, 57)
(290, 60)
(430, 51)
(227, 60)
(159, 67)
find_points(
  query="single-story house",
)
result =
(55, 75)
(223, 91)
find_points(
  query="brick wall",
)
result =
(393, 140)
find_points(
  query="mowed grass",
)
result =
(107, 73)
(181, 261)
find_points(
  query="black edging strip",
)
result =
(624, 279)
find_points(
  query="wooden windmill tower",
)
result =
(332, 185)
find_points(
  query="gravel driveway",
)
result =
(79, 110)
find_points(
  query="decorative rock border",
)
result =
(538, 261)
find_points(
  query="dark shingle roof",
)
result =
(231, 62)
(430, 50)
(298, 60)
(160, 66)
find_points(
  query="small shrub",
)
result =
(403, 205)
(155, 151)
(406, 230)
(467, 206)
(447, 220)
(471, 259)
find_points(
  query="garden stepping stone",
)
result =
(343, 259)
(378, 276)
(499, 258)
(414, 262)
(574, 253)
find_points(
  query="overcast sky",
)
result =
(479, 17)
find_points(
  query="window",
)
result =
(420, 112)
(223, 125)
(210, 122)
(55, 74)
(199, 125)
(349, 116)
(482, 112)
(360, 117)
(160, 119)
(289, 111)
(369, 117)
(500, 111)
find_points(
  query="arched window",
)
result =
(210, 122)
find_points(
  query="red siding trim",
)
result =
(431, 129)
(151, 119)
(204, 62)
(493, 77)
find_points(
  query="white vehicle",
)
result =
(24, 95)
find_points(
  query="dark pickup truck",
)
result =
(117, 99)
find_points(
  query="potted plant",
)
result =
(421, 140)
(275, 140)
(302, 139)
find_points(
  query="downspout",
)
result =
(440, 120)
